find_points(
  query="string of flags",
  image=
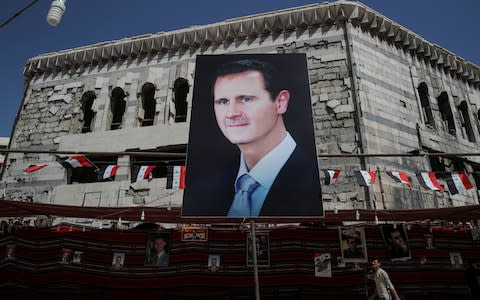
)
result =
(456, 182)
(175, 174)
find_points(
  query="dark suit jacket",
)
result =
(295, 191)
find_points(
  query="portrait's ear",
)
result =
(282, 101)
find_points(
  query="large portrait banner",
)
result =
(251, 149)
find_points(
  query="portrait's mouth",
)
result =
(236, 124)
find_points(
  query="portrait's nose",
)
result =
(233, 110)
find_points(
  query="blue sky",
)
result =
(451, 24)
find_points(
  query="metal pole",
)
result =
(254, 254)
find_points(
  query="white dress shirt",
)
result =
(266, 170)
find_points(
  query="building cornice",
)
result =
(276, 22)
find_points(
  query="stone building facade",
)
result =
(376, 87)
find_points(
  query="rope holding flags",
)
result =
(457, 182)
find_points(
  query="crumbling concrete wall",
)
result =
(388, 77)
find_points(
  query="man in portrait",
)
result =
(157, 252)
(353, 244)
(395, 238)
(118, 260)
(252, 147)
(213, 262)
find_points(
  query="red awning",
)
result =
(164, 215)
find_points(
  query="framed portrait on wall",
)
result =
(263, 249)
(118, 260)
(213, 263)
(396, 241)
(158, 250)
(456, 260)
(66, 256)
(352, 244)
(10, 251)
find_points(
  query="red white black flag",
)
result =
(110, 171)
(34, 168)
(458, 182)
(142, 172)
(75, 161)
(429, 181)
(175, 177)
(365, 178)
(331, 176)
(400, 177)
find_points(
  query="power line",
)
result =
(18, 13)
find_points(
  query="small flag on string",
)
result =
(331, 176)
(175, 177)
(34, 168)
(142, 172)
(400, 177)
(429, 181)
(75, 161)
(365, 178)
(458, 182)
(110, 171)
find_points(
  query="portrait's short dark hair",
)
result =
(271, 75)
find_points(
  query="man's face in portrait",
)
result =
(352, 244)
(245, 110)
(397, 239)
(159, 245)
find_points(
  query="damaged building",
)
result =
(377, 88)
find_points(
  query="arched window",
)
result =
(478, 121)
(148, 104)
(88, 113)
(465, 120)
(425, 102)
(446, 113)
(117, 106)
(180, 91)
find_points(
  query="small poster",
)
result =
(456, 260)
(352, 244)
(213, 263)
(66, 256)
(263, 249)
(323, 265)
(428, 239)
(197, 234)
(10, 252)
(118, 260)
(77, 257)
(476, 233)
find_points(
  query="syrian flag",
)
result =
(143, 172)
(76, 161)
(34, 168)
(175, 177)
(400, 177)
(331, 176)
(429, 181)
(458, 182)
(110, 171)
(365, 178)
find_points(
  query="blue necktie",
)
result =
(242, 203)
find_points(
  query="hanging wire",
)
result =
(18, 13)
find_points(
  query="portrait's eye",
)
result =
(246, 99)
(222, 101)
